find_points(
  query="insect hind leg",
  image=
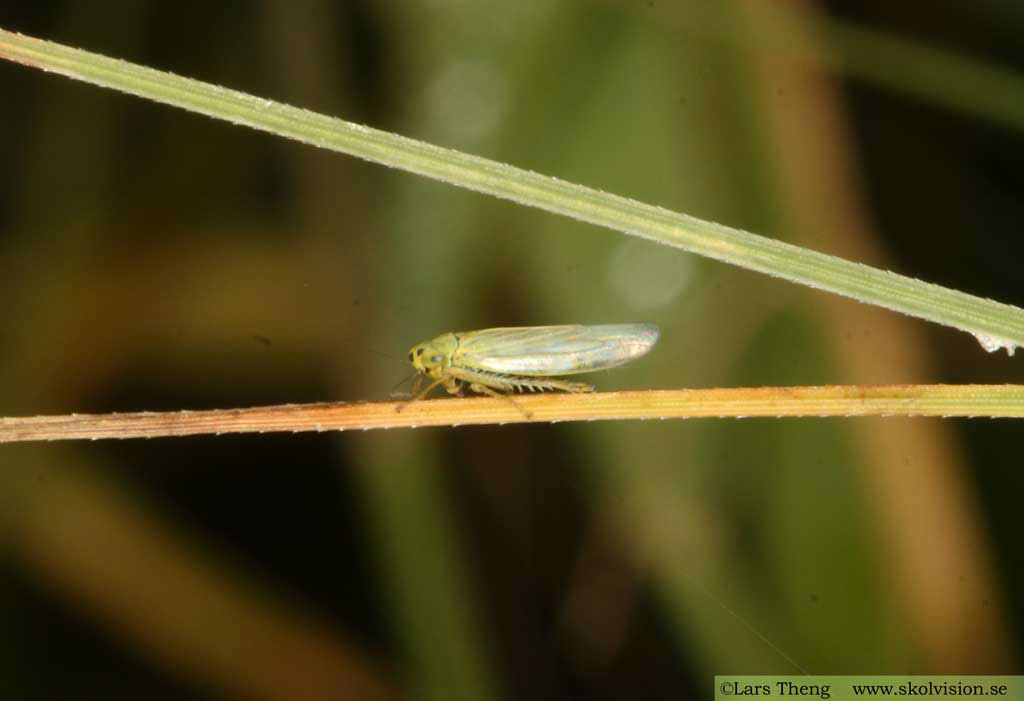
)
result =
(537, 384)
(484, 389)
(566, 386)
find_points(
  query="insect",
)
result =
(506, 360)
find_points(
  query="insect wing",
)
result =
(547, 351)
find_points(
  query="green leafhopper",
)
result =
(505, 360)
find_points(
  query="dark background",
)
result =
(155, 259)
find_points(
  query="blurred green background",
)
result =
(154, 259)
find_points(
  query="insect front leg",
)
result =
(421, 395)
(452, 384)
(416, 384)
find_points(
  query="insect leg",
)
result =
(422, 394)
(431, 386)
(491, 385)
(565, 385)
(395, 394)
(453, 385)
(484, 389)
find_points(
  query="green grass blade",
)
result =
(996, 325)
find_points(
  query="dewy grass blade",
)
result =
(994, 324)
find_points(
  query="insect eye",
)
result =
(419, 351)
(410, 357)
